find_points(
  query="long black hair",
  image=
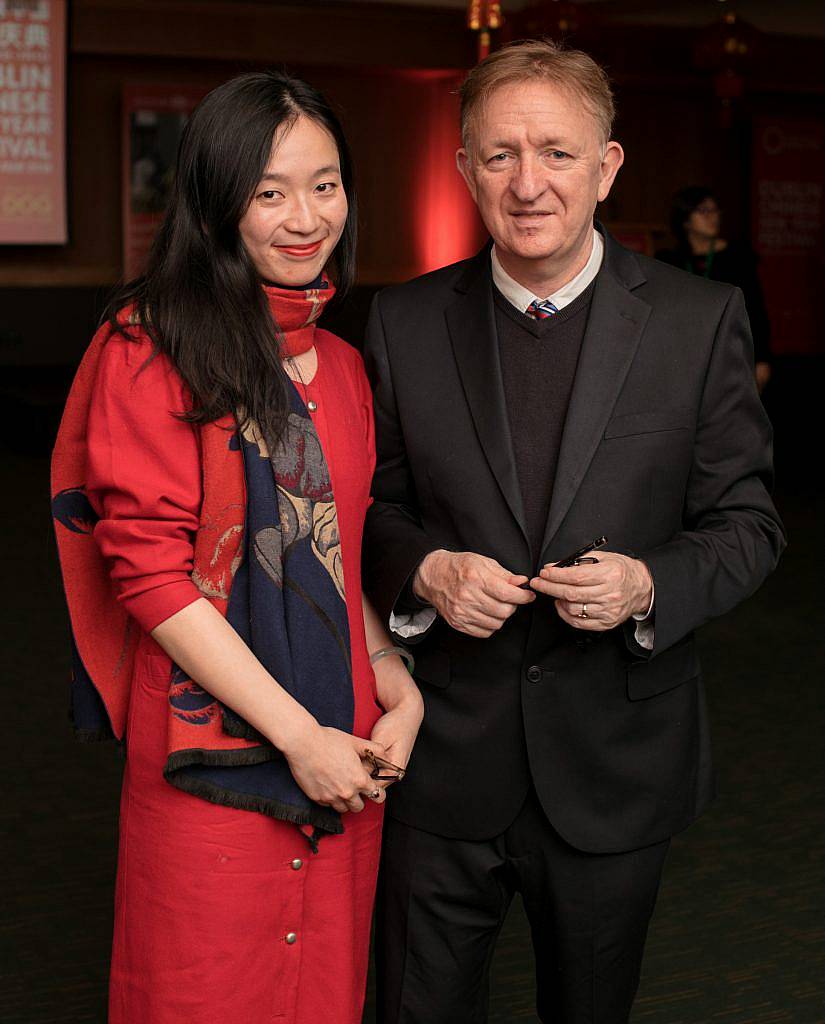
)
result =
(684, 203)
(200, 299)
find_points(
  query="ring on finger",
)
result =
(583, 613)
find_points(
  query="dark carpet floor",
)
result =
(739, 932)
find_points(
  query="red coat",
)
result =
(221, 914)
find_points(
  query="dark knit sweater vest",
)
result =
(538, 365)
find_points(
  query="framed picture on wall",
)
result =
(33, 122)
(153, 119)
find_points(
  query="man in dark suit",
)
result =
(553, 389)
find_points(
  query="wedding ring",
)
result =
(375, 794)
(583, 613)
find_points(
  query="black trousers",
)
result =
(441, 904)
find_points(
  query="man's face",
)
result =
(536, 167)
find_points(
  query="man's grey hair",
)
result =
(538, 60)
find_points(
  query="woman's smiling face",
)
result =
(299, 208)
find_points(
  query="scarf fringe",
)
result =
(324, 821)
(219, 758)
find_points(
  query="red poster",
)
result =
(153, 119)
(33, 122)
(789, 228)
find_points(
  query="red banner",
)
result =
(33, 122)
(789, 228)
(448, 227)
(153, 119)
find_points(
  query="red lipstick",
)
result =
(301, 250)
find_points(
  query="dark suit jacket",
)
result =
(666, 451)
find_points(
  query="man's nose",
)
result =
(527, 182)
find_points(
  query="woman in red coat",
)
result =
(211, 478)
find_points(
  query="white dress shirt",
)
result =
(522, 298)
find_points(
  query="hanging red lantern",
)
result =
(483, 16)
(727, 49)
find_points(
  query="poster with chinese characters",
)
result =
(33, 122)
(154, 116)
(789, 228)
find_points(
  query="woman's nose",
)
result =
(301, 217)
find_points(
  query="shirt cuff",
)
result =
(408, 625)
(645, 629)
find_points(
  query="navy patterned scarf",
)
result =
(288, 604)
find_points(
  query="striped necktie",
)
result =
(540, 310)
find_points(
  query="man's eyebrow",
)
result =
(328, 169)
(501, 143)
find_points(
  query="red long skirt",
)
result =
(225, 916)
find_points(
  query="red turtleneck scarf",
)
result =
(295, 312)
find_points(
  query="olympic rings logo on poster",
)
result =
(24, 204)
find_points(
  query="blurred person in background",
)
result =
(210, 481)
(695, 220)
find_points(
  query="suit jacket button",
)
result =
(534, 674)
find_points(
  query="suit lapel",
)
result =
(471, 323)
(614, 328)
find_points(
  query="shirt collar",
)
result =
(522, 297)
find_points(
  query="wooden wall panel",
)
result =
(309, 33)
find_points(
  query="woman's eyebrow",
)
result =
(328, 169)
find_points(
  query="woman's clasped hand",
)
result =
(330, 769)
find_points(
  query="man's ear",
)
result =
(611, 162)
(465, 169)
